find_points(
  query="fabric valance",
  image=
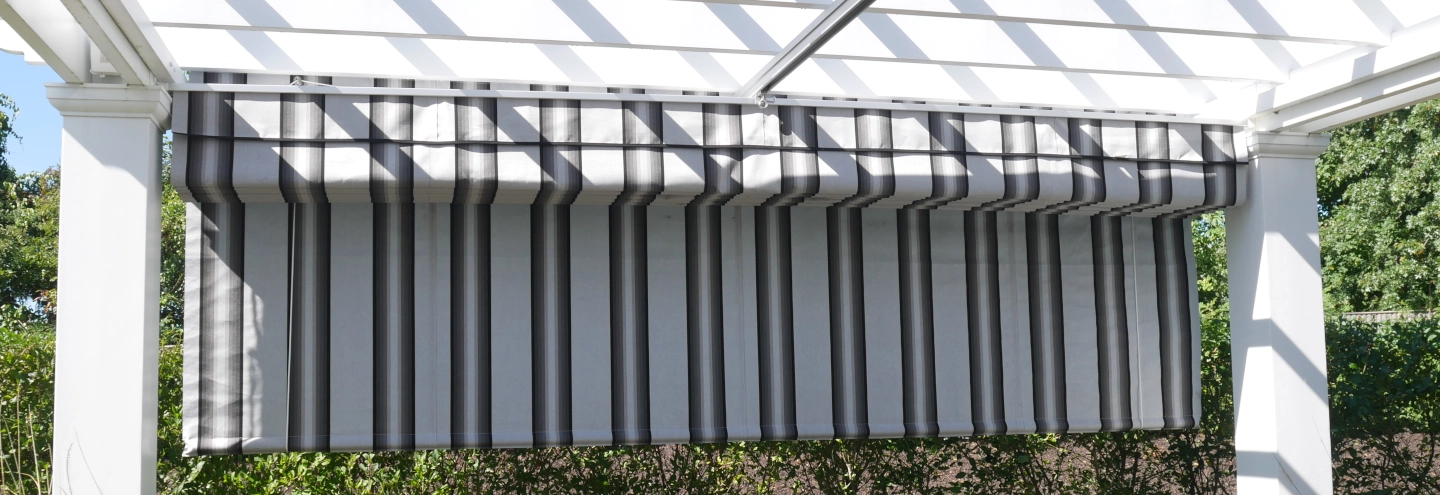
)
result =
(339, 148)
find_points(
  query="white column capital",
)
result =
(111, 100)
(1287, 144)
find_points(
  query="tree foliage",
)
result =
(1379, 212)
(29, 231)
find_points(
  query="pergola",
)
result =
(1285, 70)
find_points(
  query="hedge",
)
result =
(1385, 419)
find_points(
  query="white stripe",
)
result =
(810, 268)
(510, 330)
(1018, 385)
(884, 381)
(952, 328)
(669, 364)
(432, 326)
(352, 348)
(1141, 275)
(1077, 282)
(266, 338)
(742, 385)
(190, 424)
(590, 324)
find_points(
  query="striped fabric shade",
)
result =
(385, 272)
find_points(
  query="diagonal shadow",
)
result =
(1260, 20)
(1279, 468)
(844, 76)
(1155, 46)
(570, 63)
(1039, 53)
(710, 69)
(894, 38)
(265, 50)
(258, 13)
(591, 21)
(422, 57)
(1380, 15)
(429, 17)
(744, 27)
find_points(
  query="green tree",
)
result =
(29, 227)
(1379, 212)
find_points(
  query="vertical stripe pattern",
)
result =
(515, 272)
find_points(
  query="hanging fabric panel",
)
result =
(397, 272)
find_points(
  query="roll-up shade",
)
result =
(394, 272)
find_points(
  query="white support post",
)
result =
(107, 335)
(1282, 412)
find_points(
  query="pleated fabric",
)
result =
(377, 273)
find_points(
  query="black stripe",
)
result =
(550, 324)
(776, 323)
(222, 268)
(394, 291)
(470, 326)
(1111, 323)
(982, 280)
(705, 315)
(629, 325)
(847, 324)
(309, 411)
(917, 324)
(1047, 322)
(1176, 354)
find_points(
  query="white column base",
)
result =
(1282, 410)
(107, 336)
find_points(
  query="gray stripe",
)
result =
(629, 325)
(847, 324)
(799, 168)
(776, 323)
(310, 327)
(1022, 173)
(222, 268)
(917, 324)
(643, 122)
(705, 300)
(1047, 329)
(982, 278)
(550, 320)
(394, 326)
(1113, 334)
(1087, 169)
(1172, 273)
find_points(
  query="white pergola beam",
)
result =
(110, 40)
(48, 28)
(456, 59)
(1321, 21)
(828, 24)
(1357, 102)
(141, 34)
(660, 24)
(1377, 79)
(594, 66)
(1062, 47)
(1002, 86)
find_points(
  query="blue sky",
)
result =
(38, 123)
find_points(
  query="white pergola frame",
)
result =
(1365, 59)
